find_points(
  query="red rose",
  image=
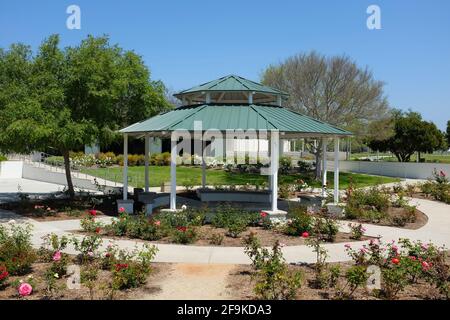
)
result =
(182, 229)
(305, 235)
(263, 214)
(395, 261)
(97, 230)
(3, 273)
(93, 212)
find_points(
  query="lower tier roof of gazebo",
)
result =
(223, 117)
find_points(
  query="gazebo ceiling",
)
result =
(222, 117)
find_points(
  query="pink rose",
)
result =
(57, 256)
(25, 289)
(157, 223)
(305, 234)
(121, 209)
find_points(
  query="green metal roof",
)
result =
(232, 83)
(243, 116)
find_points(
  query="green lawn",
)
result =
(192, 175)
(439, 158)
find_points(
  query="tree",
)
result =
(65, 98)
(448, 133)
(410, 134)
(331, 89)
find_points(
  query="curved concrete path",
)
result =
(437, 230)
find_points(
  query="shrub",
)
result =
(53, 251)
(131, 270)
(328, 228)
(216, 239)
(395, 277)
(355, 276)
(236, 226)
(370, 205)
(274, 280)
(257, 254)
(89, 276)
(90, 225)
(184, 235)
(285, 163)
(4, 274)
(142, 227)
(16, 251)
(356, 231)
(229, 217)
(299, 221)
(87, 247)
(285, 190)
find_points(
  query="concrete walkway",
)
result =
(437, 230)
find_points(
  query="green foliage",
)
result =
(184, 235)
(235, 220)
(370, 205)
(411, 134)
(356, 231)
(299, 221)
(274, 280)
(356, 276)
(87, 247)
(16, 251)
(65, 98)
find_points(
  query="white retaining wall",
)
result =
(411, 170)
(11, 169)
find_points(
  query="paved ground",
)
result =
(10, 188)
(437, 230)
(193, 281)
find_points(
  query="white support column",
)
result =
(173, 175)
(274, 146)
(336, 170)
(324, 167)
(203, 166)
(147, 146)
(208, 98)
(279, 100)
(125, 166)
(250, 97)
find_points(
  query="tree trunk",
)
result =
(68, 175)
(318, 166)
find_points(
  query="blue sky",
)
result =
(186, 42)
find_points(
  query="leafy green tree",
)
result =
(448, 133)
(62, 99)
(410, 134)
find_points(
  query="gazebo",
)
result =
(232, 107)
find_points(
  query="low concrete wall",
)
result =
(40, 174)
(11, 169)
(235, 196)
(411, 170)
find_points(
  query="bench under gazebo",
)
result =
(220, 111)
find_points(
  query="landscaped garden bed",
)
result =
(54, 208)
(382, 206)
(50, 273)
(227, 226)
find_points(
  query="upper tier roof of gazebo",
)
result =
(231, 89)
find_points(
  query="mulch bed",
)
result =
(240, 282)
(266, 237)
